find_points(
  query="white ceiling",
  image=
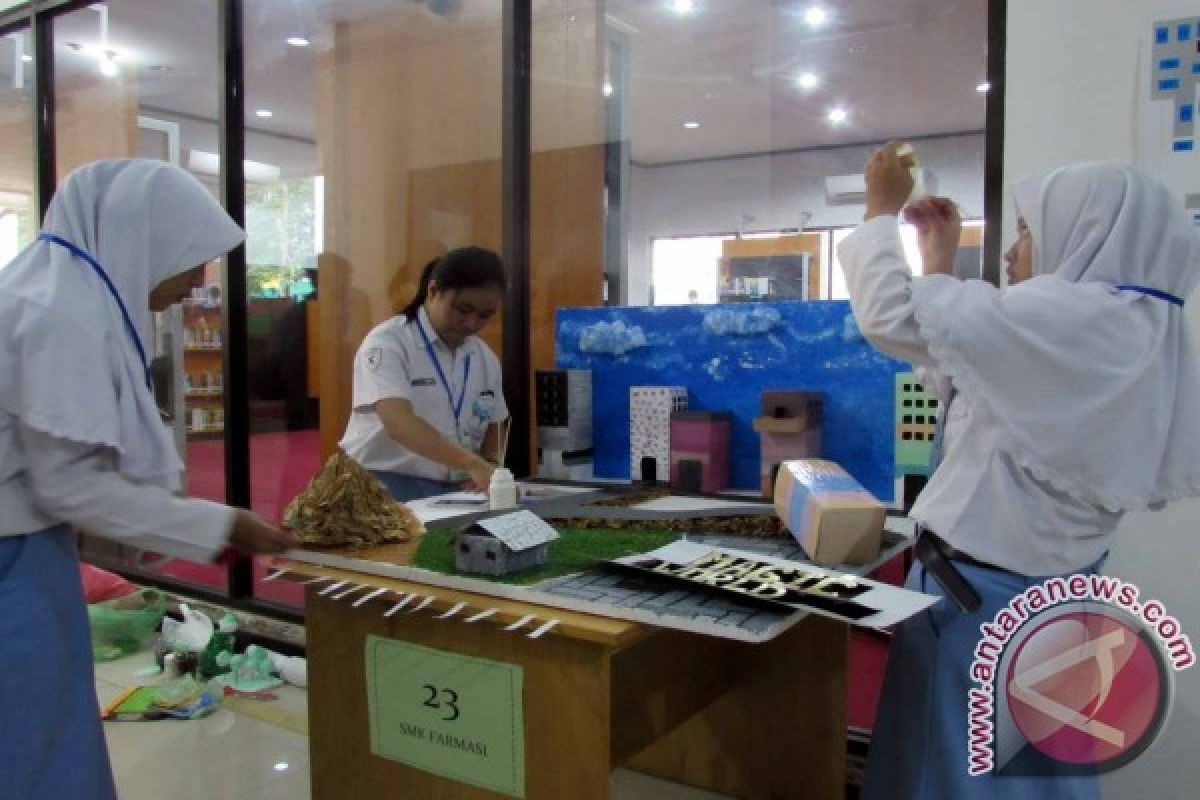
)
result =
(899, 67)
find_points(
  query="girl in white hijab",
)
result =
(1069, 398)
(82, 445)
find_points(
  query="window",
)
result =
(18, 215)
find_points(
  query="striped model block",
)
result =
(828, 512)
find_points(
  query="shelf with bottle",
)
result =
(203, 384)
(205, 421)
(202, 338)
(202, 323)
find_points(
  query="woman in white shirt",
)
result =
(82, 445)
(428, 396)
(1069, 398)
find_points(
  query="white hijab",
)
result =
(75, 368)
(1096, 391)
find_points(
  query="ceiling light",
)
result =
(683, 6)
(838, 115)
(816, 17)
(27, 58)
(281, 766)
(808, 80)
(608, 89)
(691, 126)
(298, 41)
(108, 66)
(264, 113)
(983, 88)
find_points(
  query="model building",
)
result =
(505, 544)
(789, 429)
(650, 409)
(828, 512)
(700, 450)
(564, 419)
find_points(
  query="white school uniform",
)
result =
(1075, 390)
(979, 499)
(394, 361)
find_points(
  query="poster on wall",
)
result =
(1166, 145)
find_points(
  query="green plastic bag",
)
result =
(124, 626)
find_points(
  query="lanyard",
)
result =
(455, 408)
(1158, 293)
(133, 333)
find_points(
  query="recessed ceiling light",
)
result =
(691, 126)
(298, 41)
(608, 89)
(816, 16)
(264, 113)
(983, 88)
(26, 58)
(282, 766)
(108, 66)
(808, 80)
(683, 6)
(838, 115)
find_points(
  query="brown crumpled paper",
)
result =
(345, 506)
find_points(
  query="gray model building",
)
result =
(564, 419)
(505, 544)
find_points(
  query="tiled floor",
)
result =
(231, 756)
(227, 756)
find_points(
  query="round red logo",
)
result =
(1088, 688)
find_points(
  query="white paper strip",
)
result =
(277, 574)
(369, 596)
(318, 579)
(521, 623)
(481, 615)
(408, 598)
(543, 629)
(347, 592)
(333, 587)
(457, 608)
(424, 604)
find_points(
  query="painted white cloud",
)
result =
(615, 338)
(727, 322)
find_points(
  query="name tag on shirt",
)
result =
(424, 382)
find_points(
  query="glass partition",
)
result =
(137, 79)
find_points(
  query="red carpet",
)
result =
(281, 465)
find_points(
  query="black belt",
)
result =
(937, 556)
(958, 555)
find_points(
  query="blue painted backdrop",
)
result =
(726, 356)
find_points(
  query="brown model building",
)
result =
(789, 429)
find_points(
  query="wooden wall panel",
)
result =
(413, 169)
(94, 119)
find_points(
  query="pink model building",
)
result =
(790, 429)
(700, 450)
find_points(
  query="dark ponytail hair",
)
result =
(463, 268)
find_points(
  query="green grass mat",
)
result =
(574, 552)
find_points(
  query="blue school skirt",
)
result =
(51, 742)
(919, 745)
(408, 487)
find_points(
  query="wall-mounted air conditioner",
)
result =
(852, 189)
(844, 189)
